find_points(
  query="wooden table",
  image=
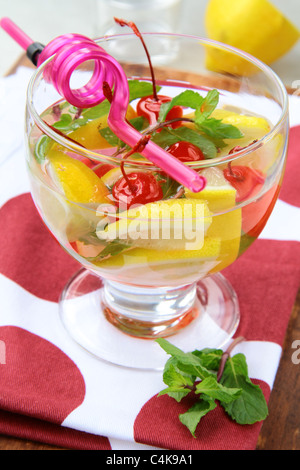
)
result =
(281, 430)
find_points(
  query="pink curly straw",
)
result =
(70, 51)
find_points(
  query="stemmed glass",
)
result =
(156, 274)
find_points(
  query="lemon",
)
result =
(173, 224)
(226, 224)
(255, 26)
(166, 261)
(78, 182)
(252, 128)
(89, 135)
(156, 267)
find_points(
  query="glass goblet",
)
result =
(152, 269)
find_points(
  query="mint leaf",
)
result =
(243, 401)
(209, 104)
(193, 416)
(64, 122)
(215, 128)
(112, 249)
(188, 99)
(251, 405)
(169, 136)
(186, 362)
(210, 387)
(42, 148)
(97, 111)
(138, 123)
(176, 381)
(210, 358)
(169, 186)
(139, 89)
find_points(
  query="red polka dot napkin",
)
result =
(54, 392)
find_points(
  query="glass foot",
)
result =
(119, 323)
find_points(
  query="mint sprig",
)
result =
(168, 136)
(204, 107)
(214, 377)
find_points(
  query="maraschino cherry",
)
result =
(186, 152)
(137, 188)
(149, 107)
(247, 181)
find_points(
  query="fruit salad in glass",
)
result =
(151, 248)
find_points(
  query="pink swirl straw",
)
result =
(70, 51)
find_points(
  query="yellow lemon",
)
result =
(226, 223)
(255, 26)
(78, 182)
(162, 267)
(170, 225)
(166, 260)
(252, 128)
(89, 135)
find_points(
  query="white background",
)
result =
(44, 19)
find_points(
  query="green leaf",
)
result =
(169, 186)
(251, 405)
(176, 381)
(113, 248)
(186, 362)
(97, 111)
(139, 89)
(188, 99)
(192, 417)
(42, 148)
(215, 128)
(215, 390)
(174, 378)
(169, 136)
(177, 393)
(209, 104)
(64, 122)
(138, 123)
(210, 358)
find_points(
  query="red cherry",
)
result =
(186, 152)
(149, 107)
(136, 188)
(101, 170)
(245, 180)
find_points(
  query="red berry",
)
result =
(245, 180)
(186, 152)
(136, 188)
(149, 108)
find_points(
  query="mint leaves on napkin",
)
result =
(213, 376)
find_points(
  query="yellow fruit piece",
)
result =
(252, 127)
(78, 182)
(255, 26)
(168, 260)
(89, 135)
(173, 224)
(220, 196)
(145, 256)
